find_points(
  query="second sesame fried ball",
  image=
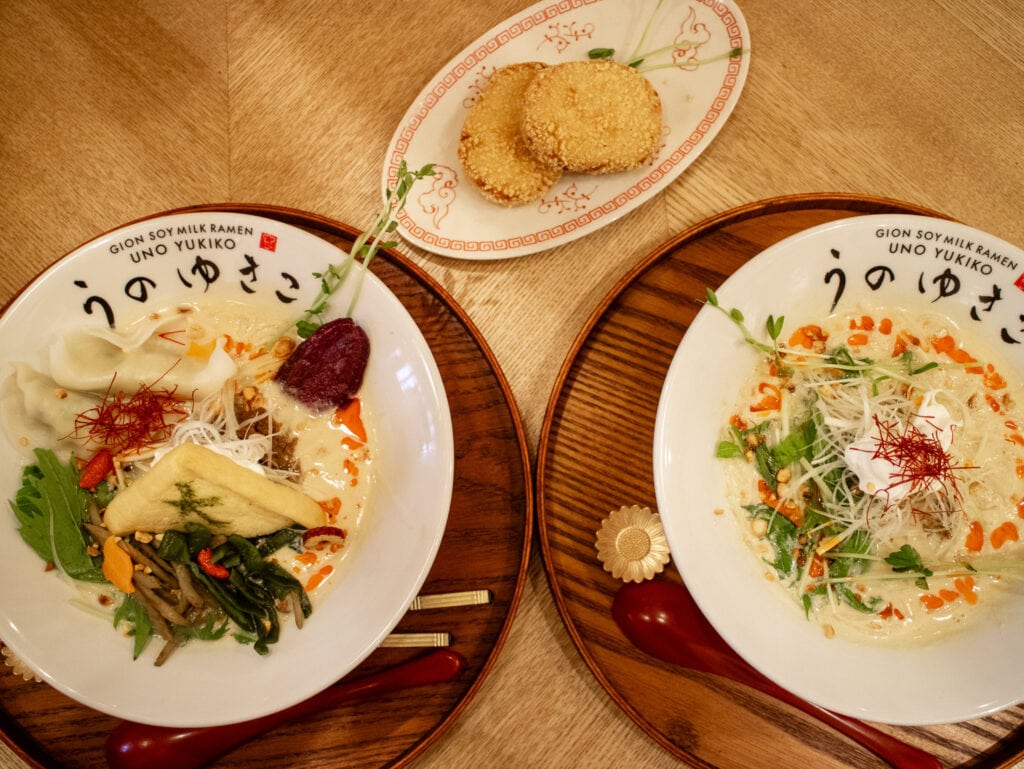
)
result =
(591, 117)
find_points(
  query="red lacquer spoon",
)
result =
(139, 746)
(661, 619)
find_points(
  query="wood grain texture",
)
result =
(112, 111)
(595, 455)
(486, 545)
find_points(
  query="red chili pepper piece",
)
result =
(98, 468)
(205, 561)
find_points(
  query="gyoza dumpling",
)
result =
(155, 350)
(37, 412)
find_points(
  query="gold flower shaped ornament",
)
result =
(631, 544)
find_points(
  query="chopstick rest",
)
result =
(451, 600)
(436, 601)
(414, 640)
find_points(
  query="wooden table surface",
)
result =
(112, 111)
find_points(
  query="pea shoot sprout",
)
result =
(365, 247)
(638, 60)
(773, 326)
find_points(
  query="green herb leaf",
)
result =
(799, 444)
(208, 631)
(844, 360)
(854, 601)
(907, 559)
(51, 509)
(841, 565)
(736, 316)
(728, 450)
(767, 465)
(306, 328)
(174, 547)
(132, 612)
(782, 535)
(271, 543)
(28, 510)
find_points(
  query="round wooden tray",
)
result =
(486, 546)
(595, 456)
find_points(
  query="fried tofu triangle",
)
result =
(194, 484)
(591, 117)
(491, 148)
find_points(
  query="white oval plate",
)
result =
(886, 259)
(446, 215)
(148, 266)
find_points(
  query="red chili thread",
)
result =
(125, 423)
(919, 459)
(167, 336)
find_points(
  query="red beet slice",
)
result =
(326, 370)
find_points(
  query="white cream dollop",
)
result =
(934, 420)
(877, 475)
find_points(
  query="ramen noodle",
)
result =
(876, 462)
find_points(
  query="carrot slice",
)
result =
(975, 537)
(967, 589)
(350, 418)
(1005, 532)
(118, 567)
(807, 336)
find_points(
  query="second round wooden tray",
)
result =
(595, 456)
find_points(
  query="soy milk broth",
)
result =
(976, 407)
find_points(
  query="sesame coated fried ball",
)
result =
(491, 149)
(591, 117)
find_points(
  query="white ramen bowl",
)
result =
(900, 260)
(153, 264)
